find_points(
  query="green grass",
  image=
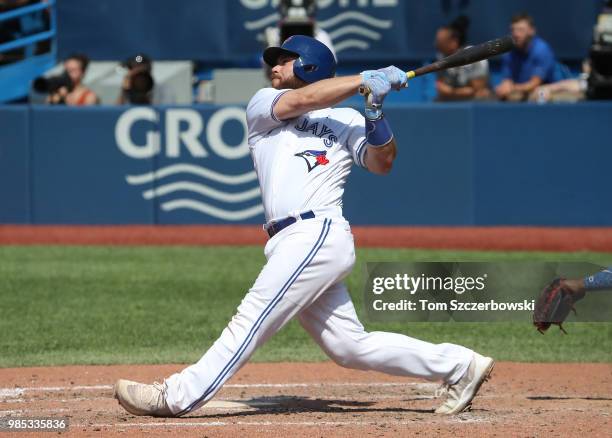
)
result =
(106, 305)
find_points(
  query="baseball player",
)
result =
(303, 150)
(580, 286)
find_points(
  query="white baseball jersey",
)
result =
(302, 163)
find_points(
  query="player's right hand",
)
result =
(396, 77)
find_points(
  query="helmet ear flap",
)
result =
(298, 69)
(303, 71)
(310, 68)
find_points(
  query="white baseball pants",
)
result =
(307, 262)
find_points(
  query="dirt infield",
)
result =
(469, 238)
(322, 399)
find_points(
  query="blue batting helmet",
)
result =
(314, 59)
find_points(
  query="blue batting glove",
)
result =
(396, 77)
(377, 83)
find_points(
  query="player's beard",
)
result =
(290, 83)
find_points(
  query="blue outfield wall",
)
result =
(14, 165)
(458, 164)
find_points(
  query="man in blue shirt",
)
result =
(529, 65)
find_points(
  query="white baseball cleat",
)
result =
(461, 394)
(141, 399)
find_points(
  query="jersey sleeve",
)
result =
(356, 140)
(260, 113)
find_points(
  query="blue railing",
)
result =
(30, 39)
(16, 77)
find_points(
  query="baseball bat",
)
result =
(467, 56)
(463, 57)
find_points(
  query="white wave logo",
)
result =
(347, 30)
(348, 36)
(197, 188)
(174, 184)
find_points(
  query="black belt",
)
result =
(276, 227)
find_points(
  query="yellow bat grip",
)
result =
(410, 74)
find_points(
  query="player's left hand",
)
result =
(377, 84)
(377, 87)
(396, 77)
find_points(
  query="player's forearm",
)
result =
(319, 95)
(379, 160)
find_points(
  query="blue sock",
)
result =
(601, 280)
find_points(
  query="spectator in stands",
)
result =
(460, 83)
(139, 86)
(529, 65)
(73, 92)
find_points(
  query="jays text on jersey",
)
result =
(302, 163)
